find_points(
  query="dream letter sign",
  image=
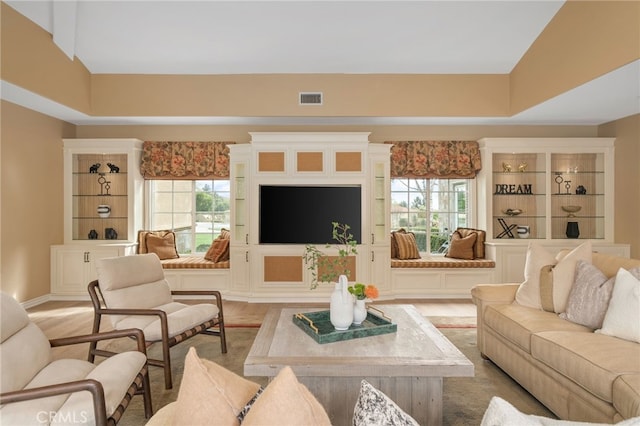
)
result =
(506, 189)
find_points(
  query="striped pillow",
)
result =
(407, 246)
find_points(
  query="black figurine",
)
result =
(94, 168)
(113, 168)
(581, 190)
(93, 234)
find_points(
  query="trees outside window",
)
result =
(430, 208)
(195, 210)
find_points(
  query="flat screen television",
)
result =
(303, 214)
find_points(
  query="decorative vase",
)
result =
(104, 210)
(359, 311)
(572, 230)
(524, 231)
(341, 306)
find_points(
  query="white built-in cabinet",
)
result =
(267, 272)
(543, 180)
(100, 176)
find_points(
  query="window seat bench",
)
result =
(439, 277)
(197, 273)
(442, 262)
(193, 262)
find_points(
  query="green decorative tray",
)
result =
(319, 327)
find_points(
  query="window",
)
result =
(195, 210)
(431, 209)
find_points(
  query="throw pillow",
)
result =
(373, 408)
(462, 247)
(219, 250)
(478, 247)
(407, 246)
(286, 402)
(394, 243)
(209, 391)
(557, 277)
(621, 319)
(142, 239)
(164, 247)
(225, 234)
(500, 412)
(589, 296)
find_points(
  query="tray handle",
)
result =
(380, 312)
(305, 318)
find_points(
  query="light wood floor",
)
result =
(70, 318)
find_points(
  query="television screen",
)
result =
(303, 214)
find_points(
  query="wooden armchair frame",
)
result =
(94, 387)
(100, 308)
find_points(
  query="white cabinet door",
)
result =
(73, 266)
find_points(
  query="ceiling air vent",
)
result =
(310, 98)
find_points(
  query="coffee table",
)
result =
(408, 365)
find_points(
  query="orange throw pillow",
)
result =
(219, 250)
(407, 245)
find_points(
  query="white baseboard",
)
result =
(35, 302)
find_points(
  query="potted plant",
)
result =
(326, 268)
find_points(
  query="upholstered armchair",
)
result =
(39, 390)
(134, 293)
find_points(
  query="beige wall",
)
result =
(31, 198)
(31, 193)
(627, 178)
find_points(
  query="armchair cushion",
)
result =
(20, 366)
(180, 317)
(116, 374)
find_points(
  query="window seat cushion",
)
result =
(442, 262)
(193, 262)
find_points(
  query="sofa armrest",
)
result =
(484, 295)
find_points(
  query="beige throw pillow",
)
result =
(407, 245)
(164, 247)
(210, 394)
(286, 402)
(462, 247)
(478, 247)
(557, 277)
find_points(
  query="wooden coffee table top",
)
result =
(417, 349)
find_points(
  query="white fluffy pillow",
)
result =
(557, 277)
(622, 319)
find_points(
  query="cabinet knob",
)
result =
(86, 257)
(373, 238)
(373, 256)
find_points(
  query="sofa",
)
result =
(580, 372)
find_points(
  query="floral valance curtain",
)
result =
(185, 160)
(435, 159)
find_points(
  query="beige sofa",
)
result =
(578, 374)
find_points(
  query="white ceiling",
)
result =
(304, 36)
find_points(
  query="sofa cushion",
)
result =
(623, 314)
(210, 394)
(580, 357)
(286, 402)
(373, 407)
(626, 395)
(517, 323)
(558, 277)
(589, 296)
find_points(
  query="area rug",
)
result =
(464, 403)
